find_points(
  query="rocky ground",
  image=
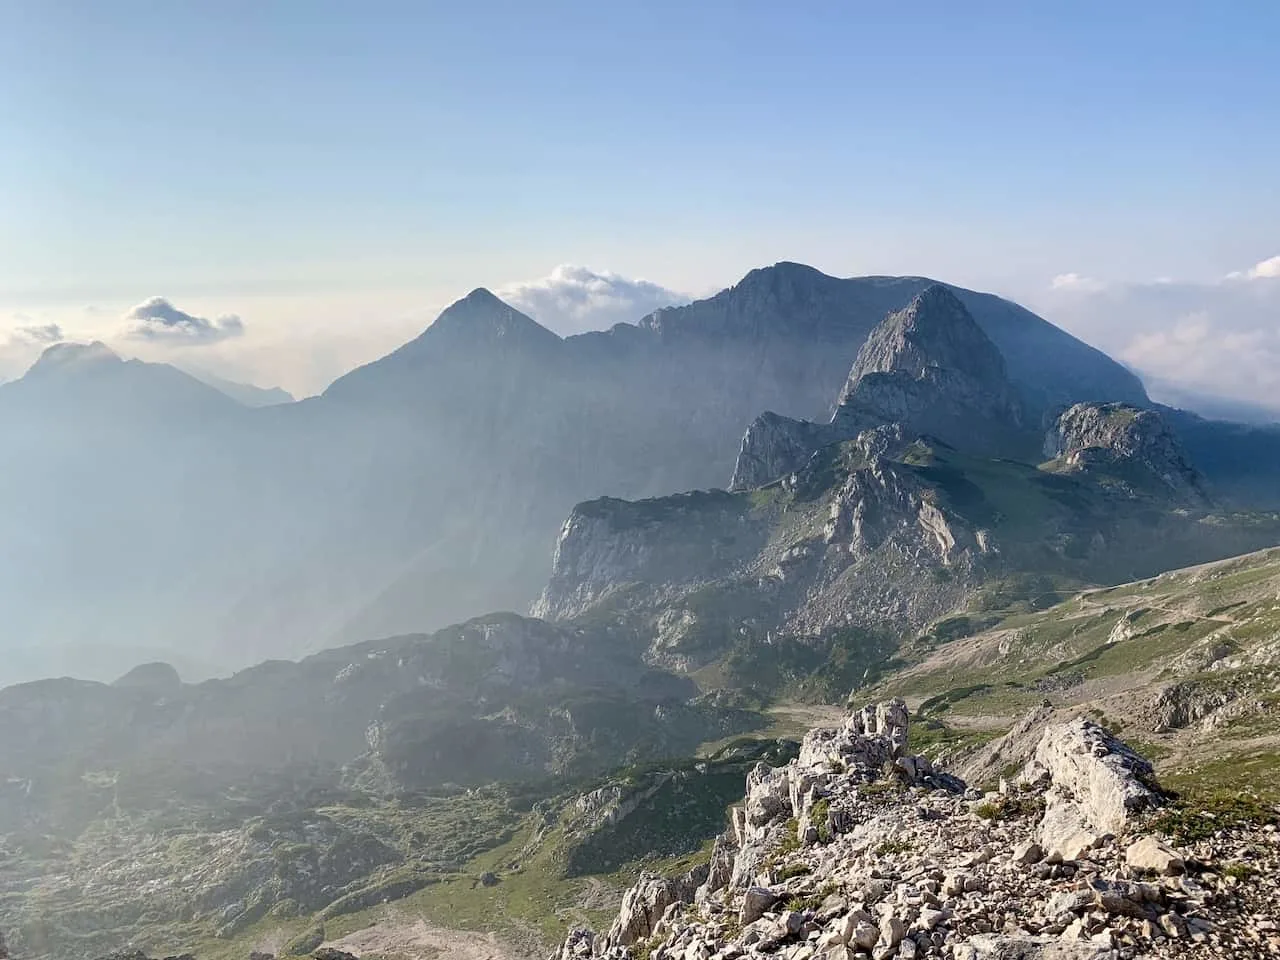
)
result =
(859, 850)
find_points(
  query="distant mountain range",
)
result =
(145, 509)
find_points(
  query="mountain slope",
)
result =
(428, 486)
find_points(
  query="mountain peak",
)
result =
(73, 357)
(483, 316)
(933, 330)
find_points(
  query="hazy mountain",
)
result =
(246, 393)
(425, 487)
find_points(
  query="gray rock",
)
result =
(755, 902)
(1149, 854)
(1134, 446)
(1097, 785)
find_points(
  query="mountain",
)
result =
(517, 772)
(245, 393)
(428, 486)
(928, 367)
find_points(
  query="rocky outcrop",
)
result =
(775, 445)
(928, 368)
(1097, 785)
(644, 906)
(857, 850)
(609, 545)
(1132, 447)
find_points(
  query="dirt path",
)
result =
(401, 937)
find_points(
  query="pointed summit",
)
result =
(480, 331)
(480, 316)
(930, 367)
(933, 331)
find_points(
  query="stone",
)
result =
(1028, 852)
(1152, 856)
(1097, 784)
(755, 902)
(892, 930)
(865, 936)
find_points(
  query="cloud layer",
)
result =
(1220, 337)
(158, 319)
(574, 299)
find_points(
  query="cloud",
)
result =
(1220, 337)
(38, 334)
(574, 299)
(1268, 269)
(1074, 281)
(158, 319)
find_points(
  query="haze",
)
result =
(333, 176)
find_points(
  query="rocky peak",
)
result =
(783, 298)
(931, 368)
(480, 316)
(1133, 446)
(160, 679)
(933, 335)
(933, 330)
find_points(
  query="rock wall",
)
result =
(1102, 436)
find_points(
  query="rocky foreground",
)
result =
(857, 849)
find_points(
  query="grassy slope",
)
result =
(1182, 664)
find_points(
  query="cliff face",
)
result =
(1134, 449)
(609, 545)
(851, 540)
(929, 368)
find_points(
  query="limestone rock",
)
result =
(1097, 785)
(1134, 447)
(774, 446)
(1016, 948)
(1149, 854)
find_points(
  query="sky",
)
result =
(282, 190)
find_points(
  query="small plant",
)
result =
(1190, 820)
(895, 846)
(820, 818)
(791, 837)
(877, 789)
(1239, 871)
(793, 869)
(987, 810)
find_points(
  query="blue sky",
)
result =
(343, 169)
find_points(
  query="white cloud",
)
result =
(1220, 337)
(574, 299)
(158, 319)
(1265, 269)
(1076, 282)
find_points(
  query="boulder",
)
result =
(1152, 856)
(755, 902)
(1097, 784)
